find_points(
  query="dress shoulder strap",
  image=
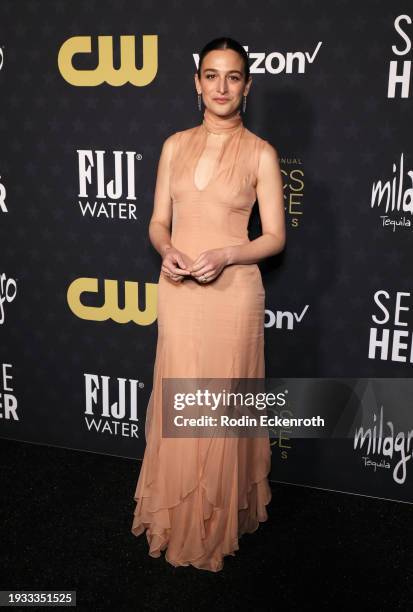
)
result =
(176, 141)
(260, 145)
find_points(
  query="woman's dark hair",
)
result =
(225, 43)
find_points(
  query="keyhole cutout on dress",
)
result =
(208, 160)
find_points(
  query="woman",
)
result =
(195, 497)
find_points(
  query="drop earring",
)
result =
(244, 104)
(199, 102)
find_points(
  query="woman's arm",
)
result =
(160, 223)
(174, 262)
(271, 206)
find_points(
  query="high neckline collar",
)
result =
(221, 125)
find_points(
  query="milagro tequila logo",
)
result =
(119, 417)
(395, 197)
(398, 448)
(112, 199)
(8, 291)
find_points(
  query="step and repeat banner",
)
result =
(89, 92)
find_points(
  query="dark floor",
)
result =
(65, 524)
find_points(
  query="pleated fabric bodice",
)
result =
(218, 213)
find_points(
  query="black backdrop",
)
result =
(74, 240)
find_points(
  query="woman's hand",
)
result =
(175, 264)
(209, 264)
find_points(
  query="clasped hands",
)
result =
(205, 268)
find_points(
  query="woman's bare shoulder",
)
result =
(264, 153)
(269, 151)
(173, 139)
(169, 144)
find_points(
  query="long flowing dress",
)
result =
(195, 497)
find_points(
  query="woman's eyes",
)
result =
(233, 76)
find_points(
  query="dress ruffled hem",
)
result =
(206, 532)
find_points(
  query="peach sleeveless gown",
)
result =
(196, 496)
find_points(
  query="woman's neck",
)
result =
(221, 125)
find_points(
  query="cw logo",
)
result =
(104, 71)
(110, 307)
